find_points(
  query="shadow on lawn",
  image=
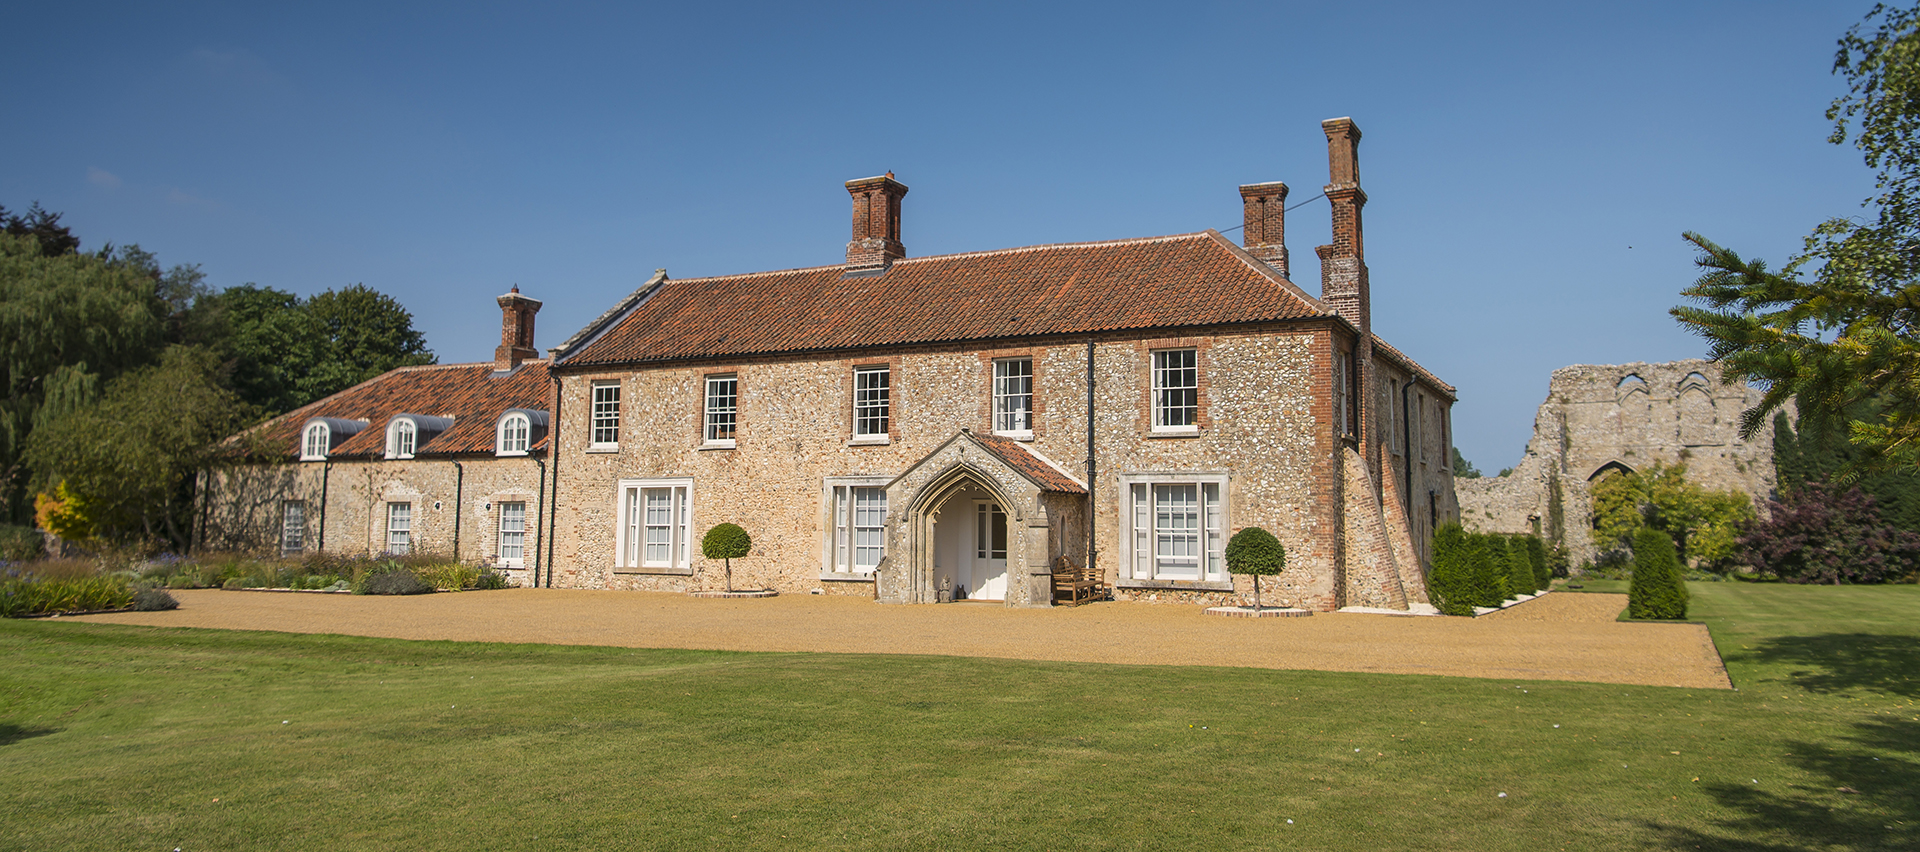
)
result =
(1837, 662)
(1864, 798)
(10, 734)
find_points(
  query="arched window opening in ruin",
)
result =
(1612, 468)
(1694, 381)
(1630, 384)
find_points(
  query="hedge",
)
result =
(1658, 590)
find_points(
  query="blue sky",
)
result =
(1530, 166)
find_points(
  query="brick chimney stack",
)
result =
(1343, 265)
(876, 223)
(1265, 231)
(516, 330)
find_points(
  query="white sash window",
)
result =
(513, 533)
(1175, 527)
(656, 521)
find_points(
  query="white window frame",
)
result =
(869, 413)
(293, 527)
(630, 555)
(403, 436)
(722, 411)
(603, 415)
(312, 449)
(1212, 506)
(841, 530)
(1164, 408)
(1013, 397)
(505, 527)
(514, 436)
(399, 527)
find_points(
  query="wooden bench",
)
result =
(1074, 585)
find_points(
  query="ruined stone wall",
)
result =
(1624, 417)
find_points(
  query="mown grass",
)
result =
(124, 738)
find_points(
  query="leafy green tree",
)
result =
(1658, 590)
(367, 333)
(1704, 525)
(130, 457)
(727, 542)
(1816, 451)
(1463, 469)
(1255, 551)
(1851, 331)
(67, 323)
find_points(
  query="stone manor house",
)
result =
(912, 429)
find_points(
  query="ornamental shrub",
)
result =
(1519, 567)
(1451, 583)
(1658, 589)
(1818, 534)
(725, 542)
(1255, 551)
(1490, 572)
(490, 579)
(402, 582)
(1537, 554)
(19, 544)
(153, 600)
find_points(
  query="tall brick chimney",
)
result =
(516, 330)
(1265, 231)
(876, 222)
(1343, 265)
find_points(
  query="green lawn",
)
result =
(124, 738)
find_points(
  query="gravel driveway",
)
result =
(1559, 636)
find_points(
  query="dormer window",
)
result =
(314, 443)
(318, 436)
(514, 433)
(400, 439)
(518, 430)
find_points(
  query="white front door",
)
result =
(990, 554)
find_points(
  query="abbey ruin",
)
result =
(1599, 419)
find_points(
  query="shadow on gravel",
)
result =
(1867, 797)
(10, 734)
(1837, 662)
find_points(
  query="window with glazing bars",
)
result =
(723, 406)
(399, 527)
(606, 414)
(1177, 531)
(293, 526)
(513, 531)
(1013, 396)
(1176, 389)
(859, 528)
(871, 400)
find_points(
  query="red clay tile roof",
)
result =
(1030, 464)
(468, 393)
(1186, 280)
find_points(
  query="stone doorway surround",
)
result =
(1046, 511)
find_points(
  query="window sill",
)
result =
(846, 577)
(1176, 585)
(509, 454)
(1175, 432)
(656, 569)
(603, 448)
(716, 445)
(1016, 436)
(869, 440)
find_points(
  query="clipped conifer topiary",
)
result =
(726, 541)
(1658, 589)
(1519, 567)
(1537, 554)
(1255, 551)
(1489, 569)
(1451, 583)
